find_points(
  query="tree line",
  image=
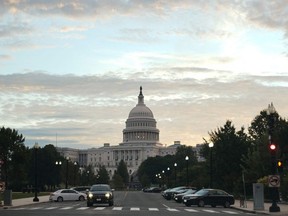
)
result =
(53, 171)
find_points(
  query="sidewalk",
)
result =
(250, 208)
(27, 201)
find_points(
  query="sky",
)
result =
(70, 70)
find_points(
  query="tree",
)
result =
(102, 175)
(229, 147)
(123, 172)
(10, 141)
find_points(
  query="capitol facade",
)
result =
(140, 141)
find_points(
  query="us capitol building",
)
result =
(140, 141)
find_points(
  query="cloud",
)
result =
(5, 57)
(91, 110)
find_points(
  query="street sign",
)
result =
(274, 180)
(2, 186)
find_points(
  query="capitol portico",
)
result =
(140, 141)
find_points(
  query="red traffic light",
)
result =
(272, 147)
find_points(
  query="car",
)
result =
(169, 193)
(82, 189)
(213, 197)
(152, 190)
(67, 194)
(100, 193)
(178, 197)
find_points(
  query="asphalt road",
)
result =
(125, 203)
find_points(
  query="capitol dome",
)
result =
(141, 125)
(141, 110)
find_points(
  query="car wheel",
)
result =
(89, 204)
(111, 203)
(81, 198)
(187, 204)
(201, 203)
(213, 206)
(60, 199)
(227, 204)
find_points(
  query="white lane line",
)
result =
(82, 208)
(66, 208)
(134, 209)
(117, 208)
(230, 212)
(210, 211)
(191, 210)
(153, 209)
(172, 210)
(99, 208)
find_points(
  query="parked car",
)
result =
(178, 197)
(67, 194)
(152, 190)
(213, 197)
(169, 193)
(100, 193)
(82, 189)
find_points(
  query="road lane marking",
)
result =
(172, 209)
(191, 210)
(153, 209)
(66, 208)
(210, 211)
(82, 208)
(99, 208)
(134, 209)
(230, 212)
(117, 208)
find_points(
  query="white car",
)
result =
(67, 194)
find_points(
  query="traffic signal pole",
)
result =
(272, 148)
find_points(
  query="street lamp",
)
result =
(66, 182)
(58, 164)
(75, 165)
(175, 165)
(211, 145)
(187, 180)
(272, 148)
(36, 147)
(168, 172)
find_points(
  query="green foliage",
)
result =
(102, 175)
(229, 147)
(123, 172)
(10, 142)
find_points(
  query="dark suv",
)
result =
(100, 193)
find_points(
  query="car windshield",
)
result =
(100, 188)
(201, 192)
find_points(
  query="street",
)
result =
(126, 203)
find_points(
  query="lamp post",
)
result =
(211, 145)
(272, 147)
(58, 165)
(75, 166)
(168, 172)
(187, 176)
(36, 147)
(66, 181)
(175, 166)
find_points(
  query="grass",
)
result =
(20, 195)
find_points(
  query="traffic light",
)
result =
(272, 147)
(280, 166)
